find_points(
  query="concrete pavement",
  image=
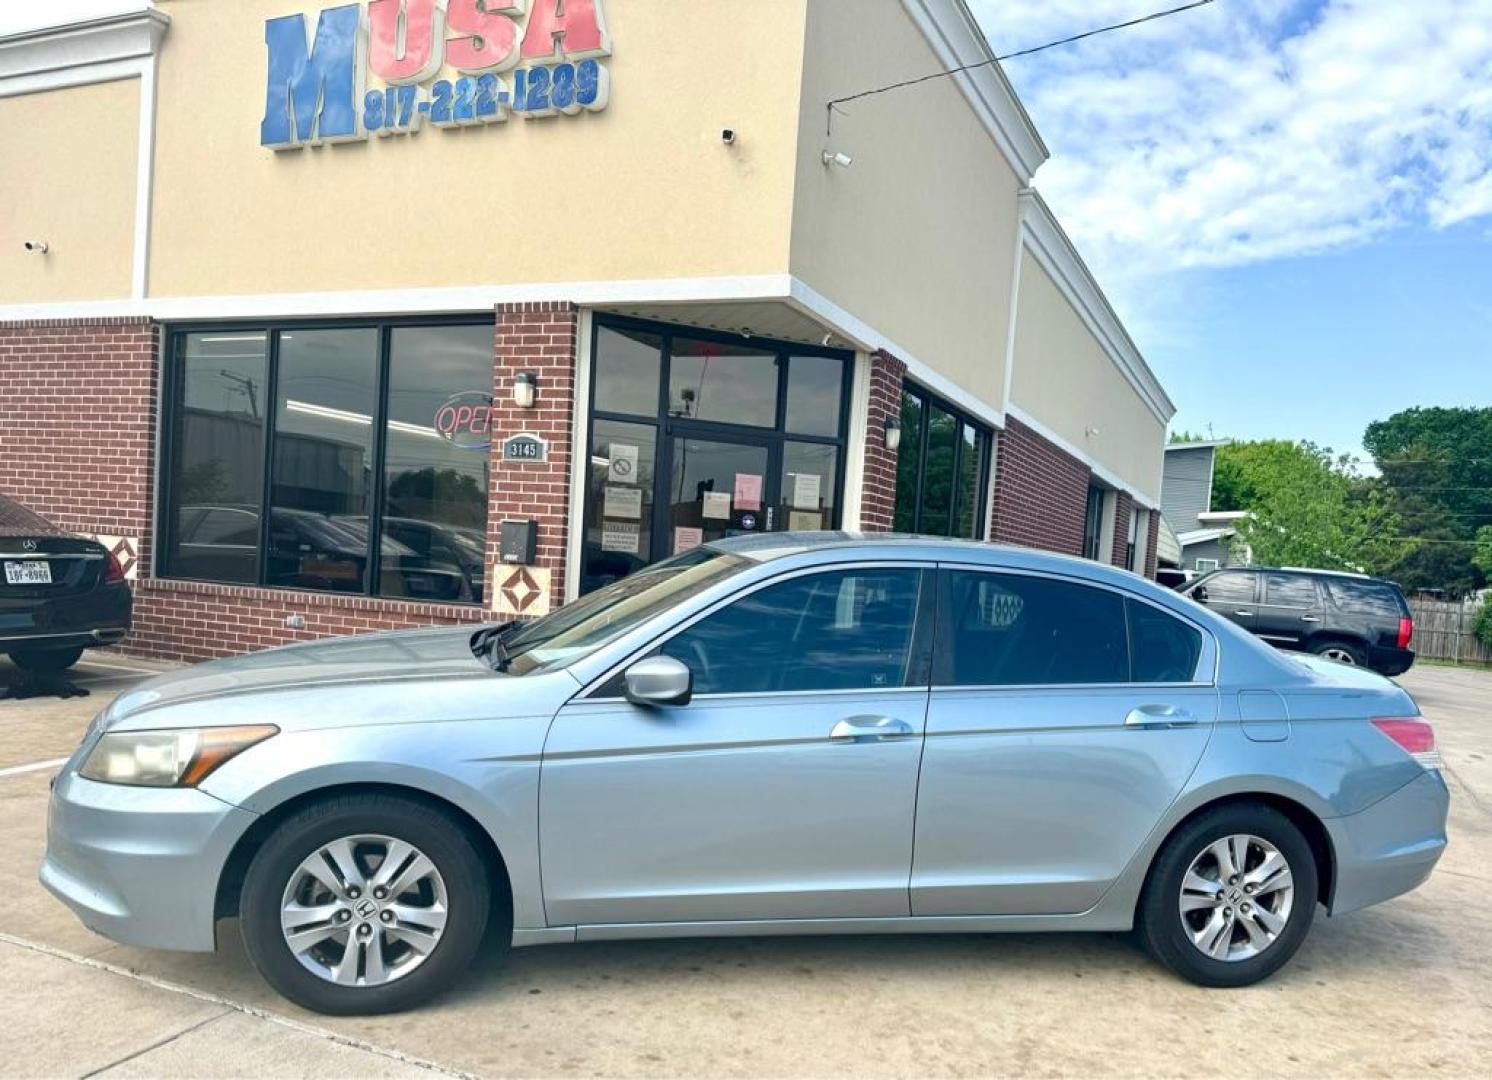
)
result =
(1398, 989)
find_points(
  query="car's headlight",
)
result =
(181, 758)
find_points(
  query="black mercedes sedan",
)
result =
(59, 593)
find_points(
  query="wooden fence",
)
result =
(1443, 631)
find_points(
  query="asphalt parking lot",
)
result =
(1404, 988)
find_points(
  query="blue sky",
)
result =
(1289, 202)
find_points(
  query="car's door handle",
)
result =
(1245, 614)
(856, 729)
(1159, 716)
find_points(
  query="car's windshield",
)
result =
(584, 626)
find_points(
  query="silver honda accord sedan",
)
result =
(784, 734)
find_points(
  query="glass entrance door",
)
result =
(718, 486)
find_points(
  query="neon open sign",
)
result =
(317, 87)
(466, 420)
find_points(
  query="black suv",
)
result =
(1349, 618)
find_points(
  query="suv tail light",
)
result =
(1414, 735)
(1406, 632)
(113, 569)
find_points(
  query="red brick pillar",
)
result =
(539, 338)
(1151, 555)
(77, 423)
(878, 489)
(1124, 507)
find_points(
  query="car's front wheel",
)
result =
(365, 904)
(1230, 896)
(45, 661)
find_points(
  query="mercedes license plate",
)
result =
(28, 573)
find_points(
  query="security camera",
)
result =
(828, 340)
(36, 247)
(728, 136)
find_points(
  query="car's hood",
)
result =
(404, 656)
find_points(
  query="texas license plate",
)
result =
(28, 573)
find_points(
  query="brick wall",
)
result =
(192, 620)
(1151, 555)
(878, 490)
(1124, 507)
(1041, 493)
(539, 338)
(77, 421)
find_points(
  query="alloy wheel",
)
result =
(1340, 655)
(364, 910)
(1236, 897)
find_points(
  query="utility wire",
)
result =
(1010, 56)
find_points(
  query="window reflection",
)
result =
(727, 383)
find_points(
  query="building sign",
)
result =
(465, 420)
(317, 88)
(525, 447)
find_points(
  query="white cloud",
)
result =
(1249, 131)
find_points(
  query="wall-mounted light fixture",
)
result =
(525, 389)
(893, 433)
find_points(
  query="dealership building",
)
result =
(405, 312)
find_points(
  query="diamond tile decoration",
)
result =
(127, 550)
(522, 591)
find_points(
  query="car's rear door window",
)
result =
(1163, 649)
(846, 630)
(1018, 630)
(1288, 590)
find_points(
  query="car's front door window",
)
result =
(846, 630)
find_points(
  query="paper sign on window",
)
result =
(622, 468)
(748, 491)
(717, 505)
(620, 536)
(804, 521)
(806, 491)
(622, 502)
(685, 538)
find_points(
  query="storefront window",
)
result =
(217, 481)
(353, 421)
(942, 468)
(750, 440)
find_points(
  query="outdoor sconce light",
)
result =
(525, 388)
(893, 433)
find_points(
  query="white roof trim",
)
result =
(86, 51)
(1046, 240)
(957, 39)
(1200, 536)
(1204, 444)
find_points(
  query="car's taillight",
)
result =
(1406, 632)
(1414, 735)
(113, 569)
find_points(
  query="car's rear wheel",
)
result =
(1342, 652)
(365, 904)
(45, 661)
(1230, 896)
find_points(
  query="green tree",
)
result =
(1305, 507)
(1437, 463)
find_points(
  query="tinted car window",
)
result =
(847, 630)
(1229, 588)
(1289, 590)
(1365, 597)
(1012, 630)
(1163, 649)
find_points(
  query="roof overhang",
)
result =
(1201, 536)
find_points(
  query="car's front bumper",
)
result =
(1391, 847)
(140, 865)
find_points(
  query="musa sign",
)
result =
(526, 57)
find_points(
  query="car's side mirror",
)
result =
(1199, 594)
(658, 680)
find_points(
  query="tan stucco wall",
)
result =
(1064, 379)
(68, 162)
(917, 237)
(643, 189)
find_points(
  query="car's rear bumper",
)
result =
(1391, 847)
(99, 616)
(1390, 661)
(140, 865)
